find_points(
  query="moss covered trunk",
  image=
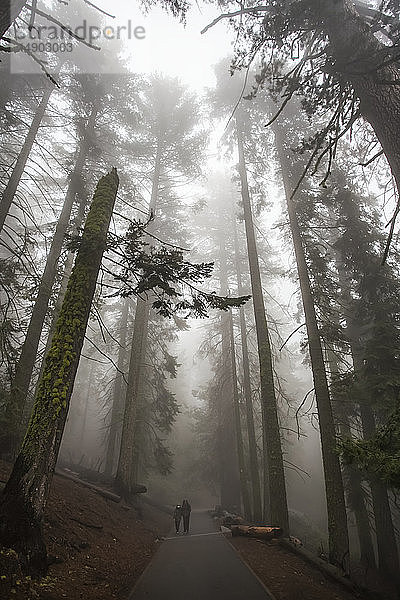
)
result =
(26, 362)
(274, 477)
(25, 495)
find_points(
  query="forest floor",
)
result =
(290, 577)
(100, 547)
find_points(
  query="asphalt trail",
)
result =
(201, 565)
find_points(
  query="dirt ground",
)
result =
(100, 547)
(289, 577)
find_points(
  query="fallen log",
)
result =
(105, 493)
(260, 533)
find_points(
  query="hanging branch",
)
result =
(288, 338)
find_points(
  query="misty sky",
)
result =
(171, 48)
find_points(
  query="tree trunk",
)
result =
(358, 59)
(125, 470)
(128, 450)
(274, 471)
(19, 167)
(68, 265)
(356, 497)
(336, 507)
(254, 470)
(353, 481)
(26, 362)
(232, 463)
(9, 11)
(118, 392)
(86, 401)
(388, 557)
(238, 427)
(26, 492)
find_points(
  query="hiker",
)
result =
(177, 516)
(186, 508)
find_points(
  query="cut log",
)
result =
(260, 533)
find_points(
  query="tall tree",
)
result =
(233, 482)
(25, 495)
(118, 392)
(336, 506)
(369, 296)
(19, 167)
(26, 362)
(171, 146)
(251, 434)
(274, 478)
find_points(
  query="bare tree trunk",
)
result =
(19, 167)
(88, 386)
(232, 463)
(357, 504)
(128, 450)
(254, 469)
(125, 469)
(275, 477)
(238, 427)
(118, 391)
(336, 507)
(26, 361)
(25, 495)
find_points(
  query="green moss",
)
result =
(55, 385)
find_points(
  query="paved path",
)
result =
(201, 565)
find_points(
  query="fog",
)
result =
(241, 341)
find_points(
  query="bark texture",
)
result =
(25, 495)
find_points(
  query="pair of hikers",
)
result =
(182, 511)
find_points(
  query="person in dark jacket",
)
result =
(177, 517)
(186, 508)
